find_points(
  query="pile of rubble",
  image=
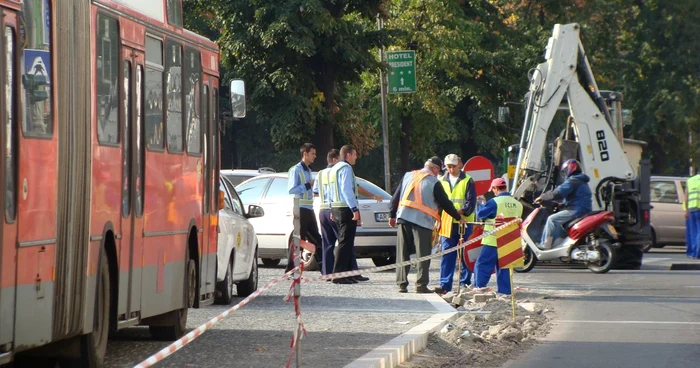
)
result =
(485, 334)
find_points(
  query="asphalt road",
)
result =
(643, 318)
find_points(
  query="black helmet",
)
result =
(571, 167)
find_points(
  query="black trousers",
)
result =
(347, 227)
(308, 230)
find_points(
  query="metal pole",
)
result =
(297, 274)
(385, 119)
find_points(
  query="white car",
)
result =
(237, 247)
(374, 238)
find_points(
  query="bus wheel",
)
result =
(93, 346)
(177, 319)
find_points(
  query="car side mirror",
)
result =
(222, 200)
(255, 211)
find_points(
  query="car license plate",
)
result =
(381, 216)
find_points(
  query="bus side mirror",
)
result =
(503, 114)
(238, 108)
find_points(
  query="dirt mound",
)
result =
(486, 335)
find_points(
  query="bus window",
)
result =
(138, 167)
(126, 156)
(154, 93)
(193, 80)
(173, 77)
(214, 144)
(207, 154)
(107, 85)
(36, 68)
(174, 8)
(10, 122)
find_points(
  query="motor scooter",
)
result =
(591, 239)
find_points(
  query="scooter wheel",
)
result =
(607, 258)
(530, 259)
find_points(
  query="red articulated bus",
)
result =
(110, 164)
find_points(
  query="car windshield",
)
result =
(237, 179)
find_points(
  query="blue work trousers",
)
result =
(329, 235)
(692, 234)
(485, 264)
(448, 262)
(554, 230)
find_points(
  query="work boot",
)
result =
(403, 289)
(440, 291)
(424, 290)
(360, 278)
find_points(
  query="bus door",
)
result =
(8, 166)
(132, 87)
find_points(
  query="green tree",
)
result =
(295, 57)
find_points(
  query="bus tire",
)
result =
(177, 320)
(93, 346)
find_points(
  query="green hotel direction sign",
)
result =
(402, 71)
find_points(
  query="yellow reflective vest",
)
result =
(458, 195)
(507, 207)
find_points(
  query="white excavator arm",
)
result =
(599, 146)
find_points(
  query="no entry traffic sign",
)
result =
(481, 171)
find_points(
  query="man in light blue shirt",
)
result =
(345, 211)
(300, 183)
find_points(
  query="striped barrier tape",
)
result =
(410, 262)
(180, 343)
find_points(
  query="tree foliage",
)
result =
(311, 67)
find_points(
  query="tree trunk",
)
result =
(404, 141)
(323, 137)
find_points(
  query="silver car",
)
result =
(374, 238)
(667, 214)
(237, 247)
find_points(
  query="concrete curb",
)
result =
(401, 348)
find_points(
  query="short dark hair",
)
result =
(306, 148)
(346, 150)
(503, 188)
(333, 154)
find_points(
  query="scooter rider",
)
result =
(577, 197)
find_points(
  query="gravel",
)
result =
(486, 335)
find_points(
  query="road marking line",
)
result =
(655, 260)
(631, 322)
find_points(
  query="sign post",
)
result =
(402, 71)
(481, 171)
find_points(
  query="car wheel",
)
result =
(654, 243)
(310, 262)
(226, 286)
(270, 262)
(249, 285)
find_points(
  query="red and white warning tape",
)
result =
(411, 262)
(179, 344)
